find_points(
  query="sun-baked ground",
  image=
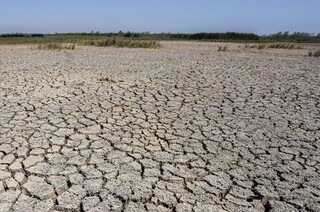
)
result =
(179, 128)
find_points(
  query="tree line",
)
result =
(227, 36)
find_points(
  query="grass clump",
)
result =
(314, 54)
(56, 46)
(222, 48)
(121, 43)
(260, 46)
(281, 46)
(274, 46)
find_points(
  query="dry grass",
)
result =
(121, 43)
(281, 46)
(222, 48)
(314, 54)
(56, 46)
(274, 46)
(105, 42)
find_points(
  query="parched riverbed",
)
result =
(179, 128)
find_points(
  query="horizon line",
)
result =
(149, 32)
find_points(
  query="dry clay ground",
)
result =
(180, 128)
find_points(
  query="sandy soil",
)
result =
(181, 128)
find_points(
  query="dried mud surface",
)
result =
(180, 128)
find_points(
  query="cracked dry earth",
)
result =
(180, 128)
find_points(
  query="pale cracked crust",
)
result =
(180, 128)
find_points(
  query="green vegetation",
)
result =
(56, 41)
(56, 46)
(314, 54)
(47, 38)
(230, 36)
(296, 37)
(121, 42)
(283, 37)
(17, 35)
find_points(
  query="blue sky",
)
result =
(258, 16)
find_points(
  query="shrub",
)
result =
(216, 36)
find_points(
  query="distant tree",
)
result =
(128, 34)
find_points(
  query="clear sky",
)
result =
(258, 16)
